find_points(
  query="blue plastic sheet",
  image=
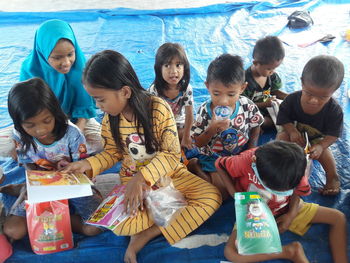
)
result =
(205, 33)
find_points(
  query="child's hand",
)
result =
(268, 102)
(79, 167)
(62, 163)
(295, 136)
(283, 222)
(134, 194)
(316, 151)
(186, 142)
(219, 125)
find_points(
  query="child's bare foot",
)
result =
(296, 253)
(138, 241)
(12, 189)
(332, 187)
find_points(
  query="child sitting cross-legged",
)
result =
(223, 137)
(276, 171)
(44, 136)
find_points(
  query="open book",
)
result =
(111, 211)
(45, 186)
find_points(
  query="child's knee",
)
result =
(231, 253)
(339, 218)
(15, 228)
(282, 136)
(91, 230)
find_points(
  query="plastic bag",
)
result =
(165, 202)
(7, 144)
(257, 230)
(299, 19)
(49, 227)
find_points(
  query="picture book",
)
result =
(111, 211)
(43, 185)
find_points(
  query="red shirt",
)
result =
(239, 167)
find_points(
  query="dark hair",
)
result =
(324, 72)
(111, 70)
(27, 99)
(226, 68)
(280, 164)
(165, 54)
(268, 50)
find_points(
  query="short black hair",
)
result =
(226, 68)
(280, 164)
(323, 71)
(268, 50)
(27, 99)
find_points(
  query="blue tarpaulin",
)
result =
(205, 33)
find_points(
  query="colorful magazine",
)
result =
(43, 186)
(110, 212)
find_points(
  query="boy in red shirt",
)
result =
(276, 171)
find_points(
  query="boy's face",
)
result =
(313, 98)
(225, 95)
(266, 70)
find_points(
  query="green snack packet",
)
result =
(257, 230)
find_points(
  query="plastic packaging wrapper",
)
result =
(7, 145)
(257, 230)
(222, 112)
(49, 227)
(165, 202)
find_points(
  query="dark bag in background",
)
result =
(299, 19)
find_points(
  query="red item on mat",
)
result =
(49, 227)
(5, 248)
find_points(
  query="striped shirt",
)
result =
(133, 155)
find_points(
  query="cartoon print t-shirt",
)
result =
(178, 104)
(67, 148)
(231, 141)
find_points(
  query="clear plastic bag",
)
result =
(165, 202)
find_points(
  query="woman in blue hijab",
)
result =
(59, 61)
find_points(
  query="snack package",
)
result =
(222, 112)
(49, 227)
(257, 230)
(165, 202)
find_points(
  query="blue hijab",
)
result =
(68, 88)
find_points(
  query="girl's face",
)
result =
(110, 101)
(224, 95)
(82, 148)
(62, 56)
(41, 127)
(173, 72)
(314, 98)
